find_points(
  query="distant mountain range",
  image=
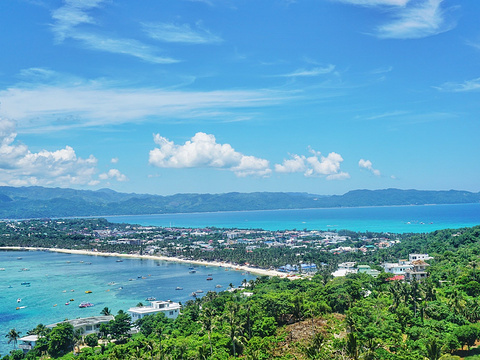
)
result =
(41, 202)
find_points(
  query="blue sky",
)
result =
(214, 96)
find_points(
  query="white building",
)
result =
(345, 268)
(89, 325)
(169, 308)
(397, 268)
(413, 257)
(27, 343)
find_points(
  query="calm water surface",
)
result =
(396, 219)
(53, 276)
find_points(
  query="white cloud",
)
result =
(469, 85)
(71, 19)
(204, 151)
(367, 164)
(113, 174)
(96, 103)
(114, 160)
(180, 33)
(312, 72)
(424, 18)
(21, 167)
(315, 165)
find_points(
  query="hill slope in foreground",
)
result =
(40, 202)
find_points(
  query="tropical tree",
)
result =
(13, 336)
(106, 311)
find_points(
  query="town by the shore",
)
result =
(253, 270)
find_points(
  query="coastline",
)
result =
(252, 270)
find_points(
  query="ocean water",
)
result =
(56, 278)
(395, 219)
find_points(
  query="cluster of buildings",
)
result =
(91, 325)
(413, 268)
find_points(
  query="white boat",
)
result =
(19, 300)
(178, 288)
(199, 291)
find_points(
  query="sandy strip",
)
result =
(252, 270)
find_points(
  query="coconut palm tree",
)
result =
(106, 311)
(13, 335)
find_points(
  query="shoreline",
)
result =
(252, 270)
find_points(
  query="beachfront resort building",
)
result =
(88, 325)
(169, 308)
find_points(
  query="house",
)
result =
(89, 325)
(418, 271)
(413, 257)
(345, 268)
(27, 343)
(397, 268)
(366, 269)
(169, 308)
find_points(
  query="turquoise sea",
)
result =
(53, 276)
(57, 278)
(395, 219)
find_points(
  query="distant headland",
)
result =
(42, 202)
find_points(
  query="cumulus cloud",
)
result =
(202, 150)
(21, 167)
(367, 165)
(314, 165)
(113, 174)
(114, 160)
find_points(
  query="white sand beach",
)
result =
(252, 270)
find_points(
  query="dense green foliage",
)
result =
(40, 202)
(352, 317)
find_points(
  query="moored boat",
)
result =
(85, 304)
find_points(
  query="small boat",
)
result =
(67, 303)
(131, 279)
(88, 291)
(209, 274)
(85, 304)
(72, 290)
(150, 298)
(193, 294)
(111, 283)
(192, 271)
(72, 299)
(20, 307)
(19, 258)
(25, 283)
(199, 291)
(209, 278)
(119, 260)
(218, 286)
(2, 269)
(178, 288)
(19, 300)
(64, 291)
(120, 288)
(88, 263)
(25, 269)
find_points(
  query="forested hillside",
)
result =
(40, 202)
(352, 317)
